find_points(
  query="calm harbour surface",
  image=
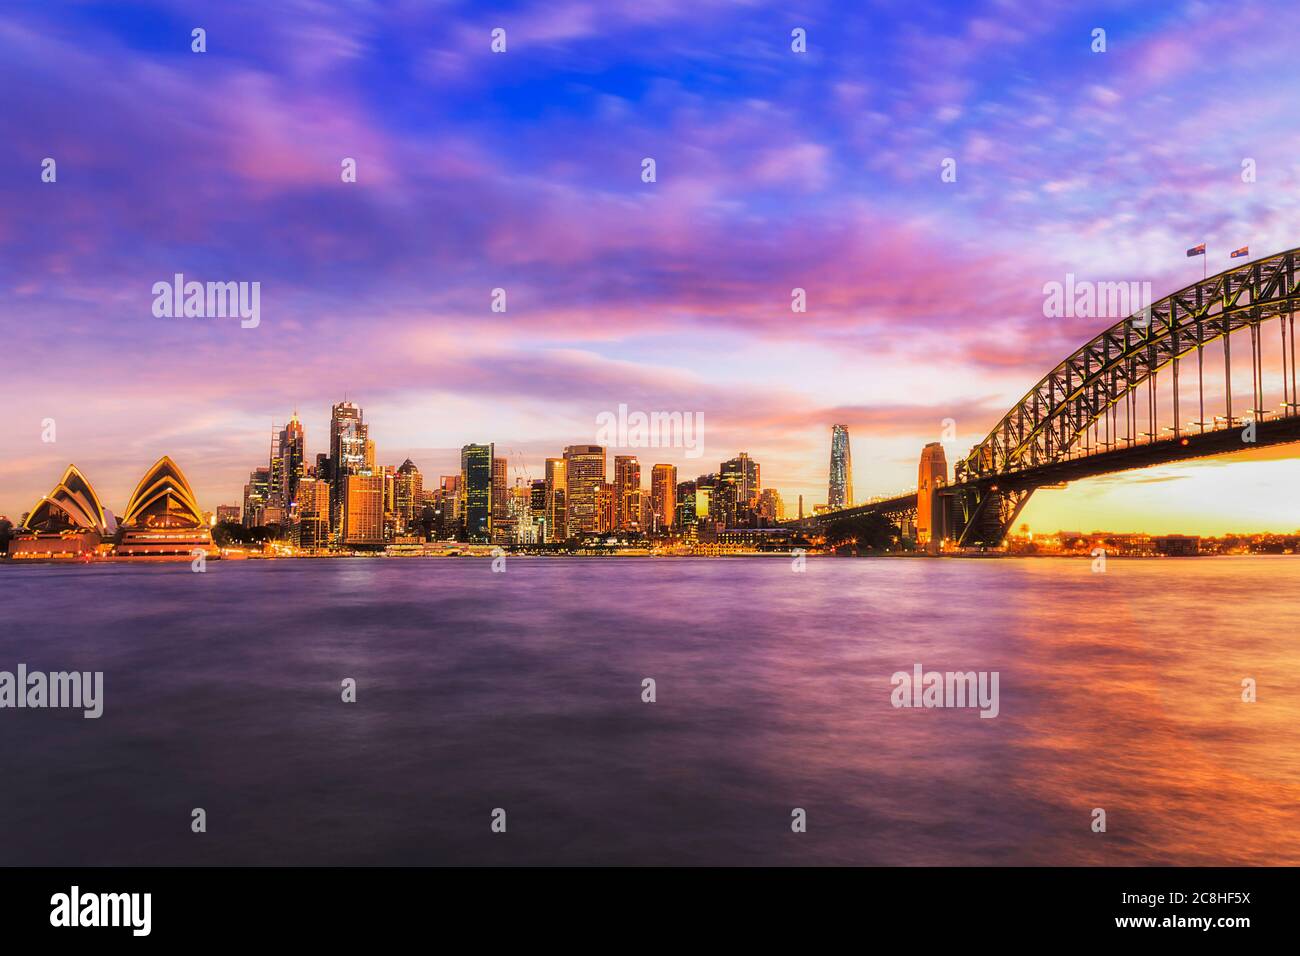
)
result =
(522, 690)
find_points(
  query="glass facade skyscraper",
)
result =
(841, 484)
(476, 491)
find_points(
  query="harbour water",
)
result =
(522, 691)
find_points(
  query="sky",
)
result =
(523, 170)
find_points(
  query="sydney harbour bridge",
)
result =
(1161, 386)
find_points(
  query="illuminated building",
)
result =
(606, 508)
(475, 488)
(584, 473)
(363, 510)
(227, 514)
(841, 482)
(686, 516)
(932, 474)
(627, 492)
(409, 493)
(738, 489)
(556, 529)
(313, 528)
(162, 518)
(255, 497)
(348, 437)
(500, 490)
(770, 506)
(663, 494)
(288, 464)
(69, 522)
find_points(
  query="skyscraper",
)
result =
(410, 493)
(556, 529)
(841, 485)
(627, 493)
(500, 487)
(663, 492)
(255, 497)
(313, 514)
(475, 487)
(363, 510)
(686, 516)
(348, 436)
(584, 468)
(288, 465)
(738, 488)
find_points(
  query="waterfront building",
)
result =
(255, 492)
(556, 529)
(69, 522)
(627, 493)
(227, 514)
(584, 473)
(686, 516)
(348, 438)
(663, 493)
(313, 527)
(287, 467)
(841, 476)
(363, 510)
(409, 493)
(162, 517)
(475, 490)
(738, 489)
(770, 506)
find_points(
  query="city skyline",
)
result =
(619, 290)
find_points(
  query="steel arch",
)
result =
(1042, 427)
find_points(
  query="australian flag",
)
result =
(1196, 250)
(1241, 253)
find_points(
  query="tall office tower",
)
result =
(770, 506)
(686, 516)
(475, 488)
(738, 488)
(555, 482)
(363, 510)
(288, 465)
(313, 514)
(370, 456)
(348, 435)
(392, 520)
(500, 489)
(606, 508)
(324, 470)
(410, 493)
(450, 487)
(932, 474)
(627, 488)
(584, 474)
(255, 497)
(537, 498)
(663, 493)
(647, 510)
(841, 490)
(708, 502)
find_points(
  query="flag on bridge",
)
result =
(1240, 253)
(1196, 250)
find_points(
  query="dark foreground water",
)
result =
(522, 690)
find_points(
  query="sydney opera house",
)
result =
(162, 521)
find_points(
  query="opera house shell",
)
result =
(162, 521)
